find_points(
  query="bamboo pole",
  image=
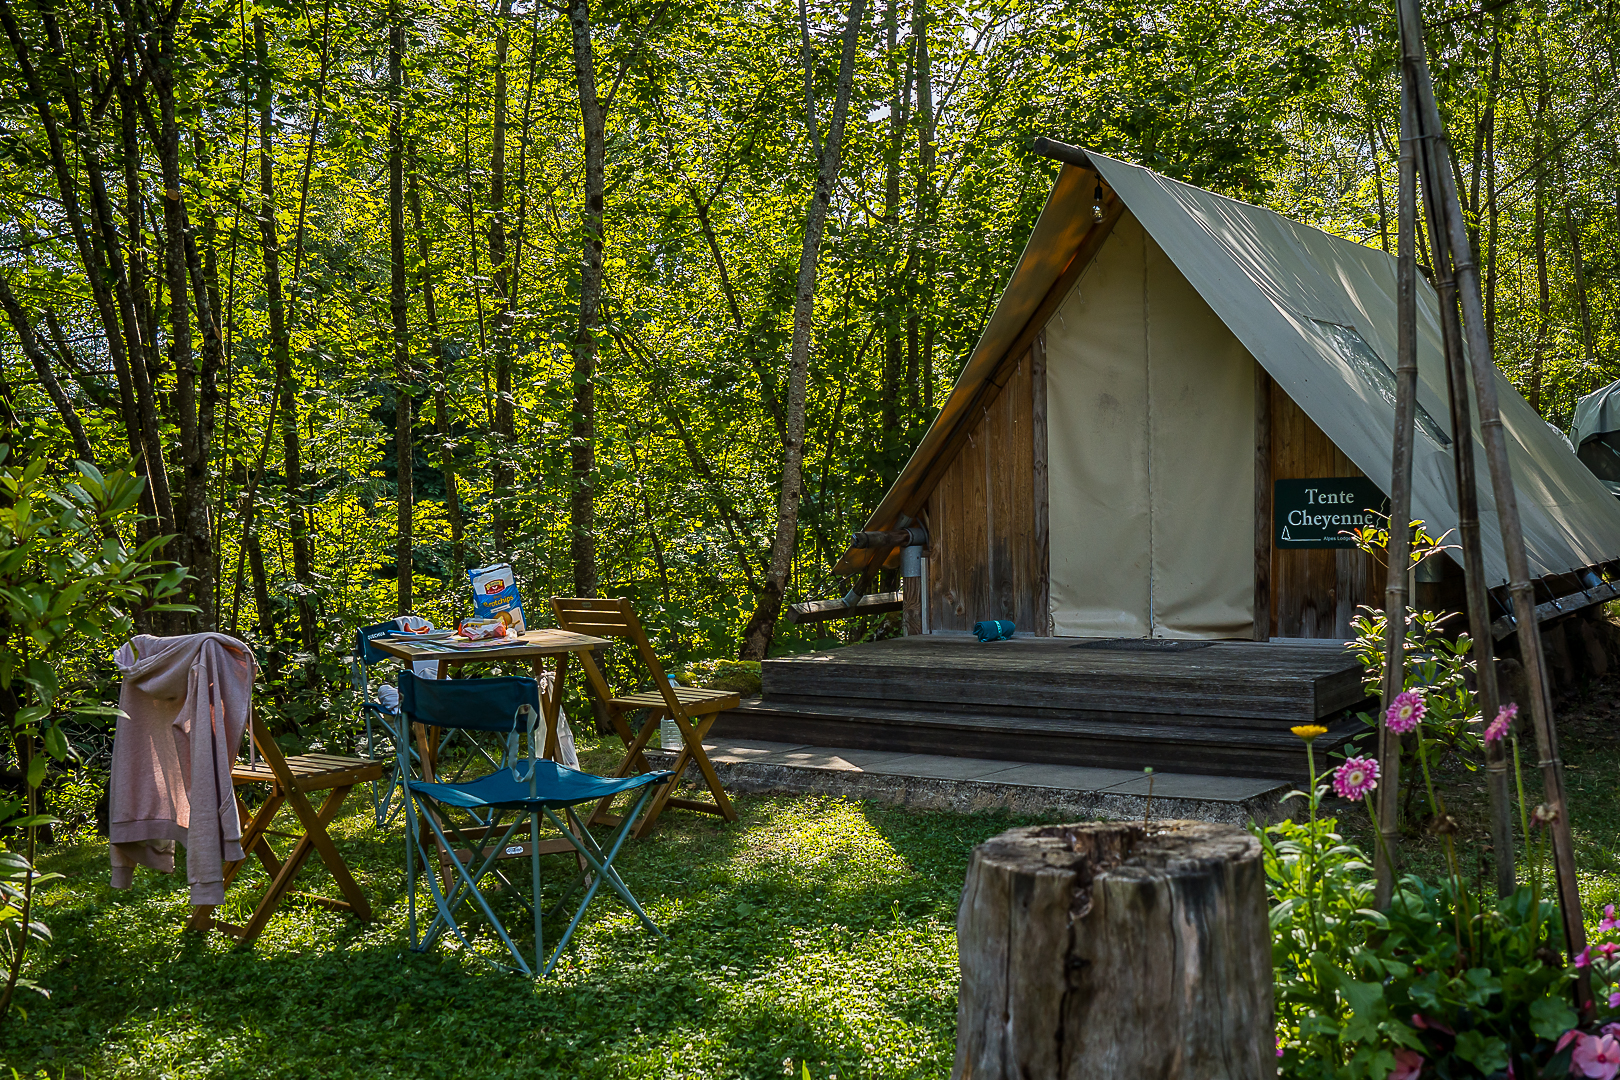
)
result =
(1431, 153)
(1440, 191)
(1400, 515)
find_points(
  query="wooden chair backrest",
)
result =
(267, 748)
(613, 618)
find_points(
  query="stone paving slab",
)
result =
(967, 785)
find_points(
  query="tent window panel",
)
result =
(1366, 363)
(1601, 454)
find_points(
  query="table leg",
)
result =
(552, 707)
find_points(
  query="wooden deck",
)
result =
(1225, 708)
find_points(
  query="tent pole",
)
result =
(1507, 507)
(1431, 151)
(1400, 515)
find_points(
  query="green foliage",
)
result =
(66, 581)
(1355, 985)
(1436, 664)
(738, 676)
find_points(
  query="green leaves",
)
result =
(1550, 1017)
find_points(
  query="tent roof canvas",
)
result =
(1318, 312)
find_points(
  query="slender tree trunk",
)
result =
(1491, 215)
(396, 303)
(197, 394)
(1582, 299)
(441, 408)
(1543, 290)
(281, 348)
(503, 472)
(582, 450)
(894, 295)
(99, 246)
(762, 626)
(42, 367)
(926, 200)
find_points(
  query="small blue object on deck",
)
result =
(993, 629)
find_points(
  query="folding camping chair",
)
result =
(292, 780)
(384, 804)
(692, 708)
(529, 788)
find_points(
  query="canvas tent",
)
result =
(1595, 433)
(1160, 359)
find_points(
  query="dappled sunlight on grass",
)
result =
(813, 929)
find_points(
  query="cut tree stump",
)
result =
(1106, 950)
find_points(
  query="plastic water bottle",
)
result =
(669, 732)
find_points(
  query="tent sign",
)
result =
(1322, 513)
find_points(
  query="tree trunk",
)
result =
(504, 418)
(762, 626)
(582, 451)
(281, 348)
(1582, 299)
(197, 393)
(926, 201)
(396, 305)
(894, 292)
(1112, 951)
(441, 407)
(42, 367)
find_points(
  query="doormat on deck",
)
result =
(1155, 645)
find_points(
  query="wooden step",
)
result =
(1234, 749)
(1292, 683)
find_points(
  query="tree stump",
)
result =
(1106, 950)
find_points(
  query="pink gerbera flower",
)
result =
(1356, 777)
(1408, 1065)
(1596, 1057)
(1498, 728)
(1404, 712)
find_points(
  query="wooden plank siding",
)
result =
(984, 552)
(1314, 593)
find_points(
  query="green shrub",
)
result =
(738, 676)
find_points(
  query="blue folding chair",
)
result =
(388, 795)
(528, 787)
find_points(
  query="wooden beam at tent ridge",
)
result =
(912, 495)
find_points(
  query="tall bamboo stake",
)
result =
(1400, 515)
(1452, 249)
(1431, 151)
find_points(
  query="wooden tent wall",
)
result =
(1312, 593)
(987, 556)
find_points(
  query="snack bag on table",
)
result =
(495, 597)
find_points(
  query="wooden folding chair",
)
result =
(291, 781)
(693, 709)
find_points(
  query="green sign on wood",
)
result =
(1321, 513)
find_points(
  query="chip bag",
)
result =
(495, 596)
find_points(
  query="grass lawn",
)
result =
(814, 931)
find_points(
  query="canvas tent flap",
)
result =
(1150, 433)
(1318, 312)
(1595, 434)
(1598, 413)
